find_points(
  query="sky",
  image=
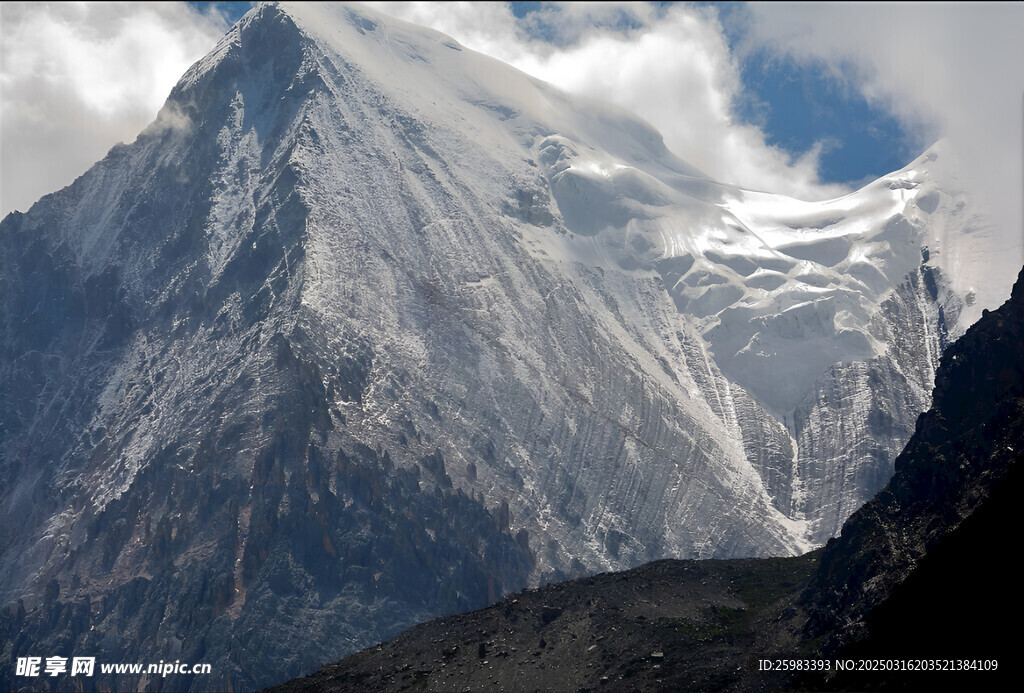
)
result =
(810, 100)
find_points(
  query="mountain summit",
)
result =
(367, 328)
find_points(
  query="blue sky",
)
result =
(231, 11)
(809, 100)
(800, 104)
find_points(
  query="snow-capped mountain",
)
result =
(367, 328)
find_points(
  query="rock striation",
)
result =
(921, 579)
(367, 328)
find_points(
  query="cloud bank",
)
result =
(671, 65)
(77, 78)
(953, 71)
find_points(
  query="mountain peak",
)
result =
(370, 323)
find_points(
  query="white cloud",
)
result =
(77, 78)
(954, 71)
(672, 66)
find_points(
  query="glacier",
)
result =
(367, 328)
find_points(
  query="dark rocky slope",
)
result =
(925, 570)
(665, 625)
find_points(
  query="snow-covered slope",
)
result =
(367, 327)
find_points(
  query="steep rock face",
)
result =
(169, 468)
(858, 417)
(921, 575)
(962, 449)
(369, 328)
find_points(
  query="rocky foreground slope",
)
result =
(925, 571)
